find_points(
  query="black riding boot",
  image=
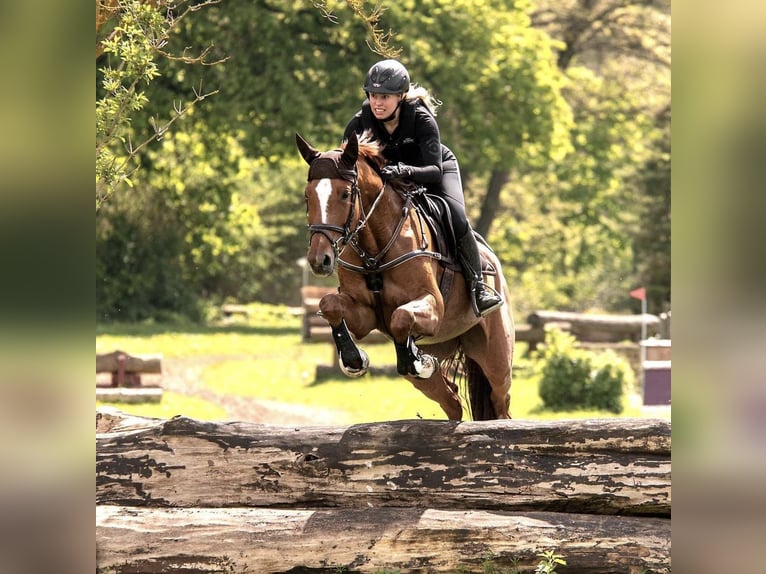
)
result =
(484, 298)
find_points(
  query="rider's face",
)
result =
(383, 105)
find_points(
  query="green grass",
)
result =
(173, 404)
(265, 358)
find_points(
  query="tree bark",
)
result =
(611, 466)
(131, 540)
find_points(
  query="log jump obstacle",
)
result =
(417, 496)
(588, 327)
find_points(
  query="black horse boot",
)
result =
(484, 299)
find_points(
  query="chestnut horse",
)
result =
(392, 278)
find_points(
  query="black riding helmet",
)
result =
(387, 77)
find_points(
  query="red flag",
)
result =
(639, 293)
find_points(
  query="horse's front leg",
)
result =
(419, 317)
(335, 307)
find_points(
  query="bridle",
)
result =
(349, 236)
(317, 171)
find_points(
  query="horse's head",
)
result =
(342, 191)
(331, 194)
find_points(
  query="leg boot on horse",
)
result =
(484, 299)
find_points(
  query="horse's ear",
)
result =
(307, 151)
(350, 152)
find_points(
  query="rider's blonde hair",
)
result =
(417, 92)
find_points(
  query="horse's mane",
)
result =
(370, 149)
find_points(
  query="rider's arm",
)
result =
(429, 141)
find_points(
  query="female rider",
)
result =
(401, 117)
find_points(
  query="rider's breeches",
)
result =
(452, 188)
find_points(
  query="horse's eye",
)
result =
(346, 193)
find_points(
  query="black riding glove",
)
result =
(396, 171)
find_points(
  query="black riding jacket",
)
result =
(415, 142)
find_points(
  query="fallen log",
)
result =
(598, 328)
(606, 466)
(133, 540)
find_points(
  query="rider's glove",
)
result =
(396, 171)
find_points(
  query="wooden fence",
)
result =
(415, 496)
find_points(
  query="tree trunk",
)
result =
(615, 466)
(491, 202)
(131, 540)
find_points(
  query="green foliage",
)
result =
(567, 233)
(652, 240)
(133, 51)
(580, 232)
(122, 96)
(292, 67)
(204, 223)
(573, 378)
(549, 561)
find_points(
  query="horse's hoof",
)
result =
(350, 371)
(425, 366)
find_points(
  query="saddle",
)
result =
(435, 212)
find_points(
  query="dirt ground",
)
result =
(184, 376)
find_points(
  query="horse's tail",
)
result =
(474, 386)
(478, 392)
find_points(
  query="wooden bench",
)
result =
(125, 378)
(231, 311)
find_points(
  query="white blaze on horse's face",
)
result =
(324, 191)
(327, 204)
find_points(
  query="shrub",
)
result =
(574, 378)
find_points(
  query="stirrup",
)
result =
(481, 285)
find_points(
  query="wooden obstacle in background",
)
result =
(125, 378)
(232, 312)
(426, 496)
(588, 327)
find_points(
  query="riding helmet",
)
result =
(387, 77)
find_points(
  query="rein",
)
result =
(372, 263)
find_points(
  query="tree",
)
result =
(592, 30)
(132, 36)
(652, 238)
(627, 42)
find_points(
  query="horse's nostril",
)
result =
(327, 262)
